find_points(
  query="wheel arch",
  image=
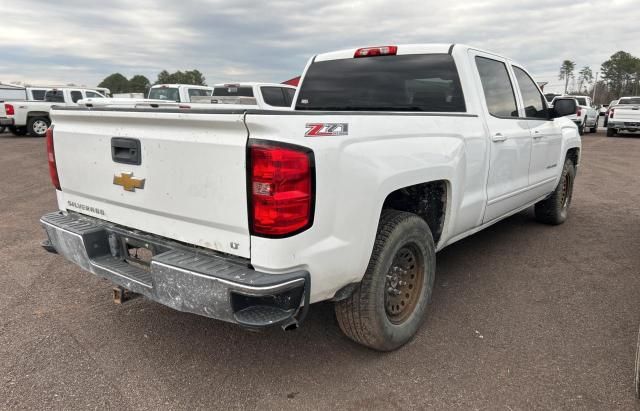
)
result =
(429, 200)
(32, 114)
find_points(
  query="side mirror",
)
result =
(564, 107)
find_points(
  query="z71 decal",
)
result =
(326, 129)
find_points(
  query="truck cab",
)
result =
(268, 96)
(180, 93)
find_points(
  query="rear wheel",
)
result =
(611, 132)
(387, 308)
(594, 129)
(18, 131)
(582, 127)
(38, 126)
(2, 129)
(554, 209)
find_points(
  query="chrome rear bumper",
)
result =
(179, 276)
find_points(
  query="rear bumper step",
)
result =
(181, 277)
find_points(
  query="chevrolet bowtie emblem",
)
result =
(129, 182)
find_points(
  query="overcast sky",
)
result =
(80, 41)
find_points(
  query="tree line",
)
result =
(619, 76)
(118, 83)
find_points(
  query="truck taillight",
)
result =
(51, 158)
(376, 51)
(281, 183)
(611, 113)
(578, 111)
(9, 110)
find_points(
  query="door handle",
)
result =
(537, 135)
(498, 137)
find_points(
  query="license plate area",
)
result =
(135, 251)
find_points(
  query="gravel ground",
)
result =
(523, 316)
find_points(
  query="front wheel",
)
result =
(594, 129)
(38, 126)
(554, 209)
(387, 308)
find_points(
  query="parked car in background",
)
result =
(180, 93)
(250, 216)
(32, 117)
(603, 109)
(586, 116)
(268, 96)
(624, 116)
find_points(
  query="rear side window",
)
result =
(54, 96)
(274, 96)
(582, 101)
(232, 90)
(164, 93)
(38, 94)
(92, 94)
(289, 93)
(76, 95)
(533, 100)
(498, 90)
(198, 92)
(414, 82)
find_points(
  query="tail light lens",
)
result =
(578, 111)
(51, 158)
(9, 110)
(281, 183)
(376, 51)
(611, 113)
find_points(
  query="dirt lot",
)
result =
(523, 315)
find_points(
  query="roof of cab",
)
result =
(180, 85)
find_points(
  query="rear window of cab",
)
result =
(414, 83)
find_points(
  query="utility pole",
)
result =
(595, 86)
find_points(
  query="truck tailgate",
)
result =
(190, 184)
(627, 113)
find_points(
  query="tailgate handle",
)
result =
(126, 150)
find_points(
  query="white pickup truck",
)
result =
(586, 115)
(250, 216)
(32, 117)
(624, 116)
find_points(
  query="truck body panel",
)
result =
(193, 166)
